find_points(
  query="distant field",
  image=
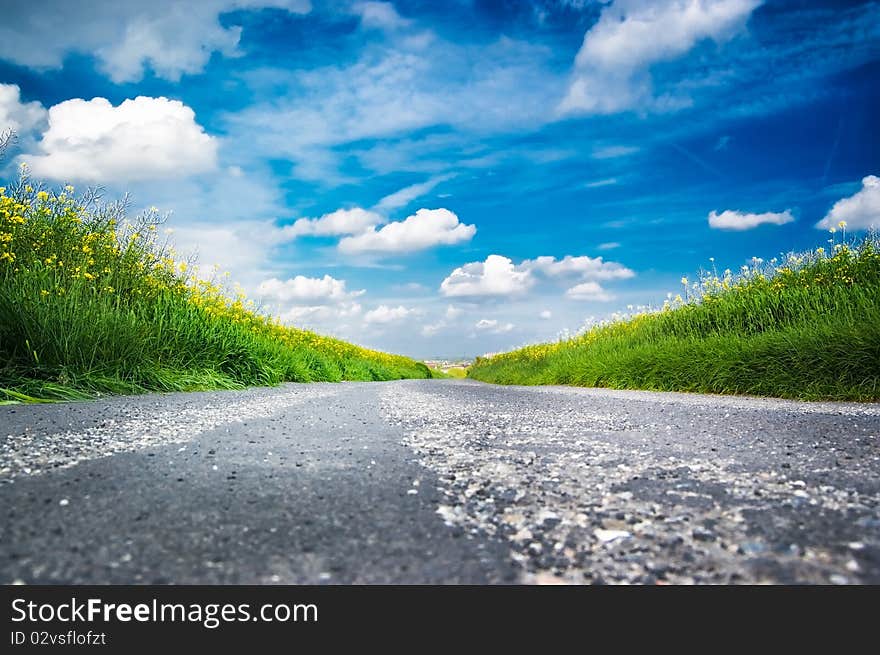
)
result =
(805, 327)
(458, 372)
(90, 304)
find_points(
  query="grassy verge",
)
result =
(807, 327)
(89, 305)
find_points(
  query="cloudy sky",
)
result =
(460, 177)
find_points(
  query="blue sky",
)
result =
(455, 178)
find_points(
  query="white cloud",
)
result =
(589, 291)
(339, 223)
(611, 68)
(860, 210)
(325, 318)
(612, 152)
(430, 329)
(608, 245)
(610, 181)
(306, 289)
(453, 312)
(384, 314)
(241, 248)
(169, 37)
(586, 267)
(379, 15)
(736, 220)
(410, 287)
(546, 314)
(497, 276)
(408, 194)
(144, 138)
(493, 326)
(397, 86)
(424, 229)
(22, 117)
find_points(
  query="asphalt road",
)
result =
(439, 482)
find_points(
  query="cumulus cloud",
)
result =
(860, 211)
(493, 326)
(611, 70)
(169, 37)
(738, 221)
(586, 267)
(306, 289)
(589, 291)
(17, 115)
(497, 276)
(424, 229)
(384, 314)
(339, 223)
(144, 138)
(546, 314)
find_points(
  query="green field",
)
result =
(91, 304)
(806, 327)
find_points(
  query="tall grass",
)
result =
(92, 304)
(806, 327)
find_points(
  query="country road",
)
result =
(439, 482)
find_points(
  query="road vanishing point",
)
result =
(439, 481)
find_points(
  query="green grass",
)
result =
(806, 328)
(454, 372)
(92, 305)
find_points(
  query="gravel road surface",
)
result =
(439, 482)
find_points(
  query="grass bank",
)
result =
(805, 327)
(91, 304)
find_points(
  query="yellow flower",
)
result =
(44, 293)
(42, 195)
(842, 225)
